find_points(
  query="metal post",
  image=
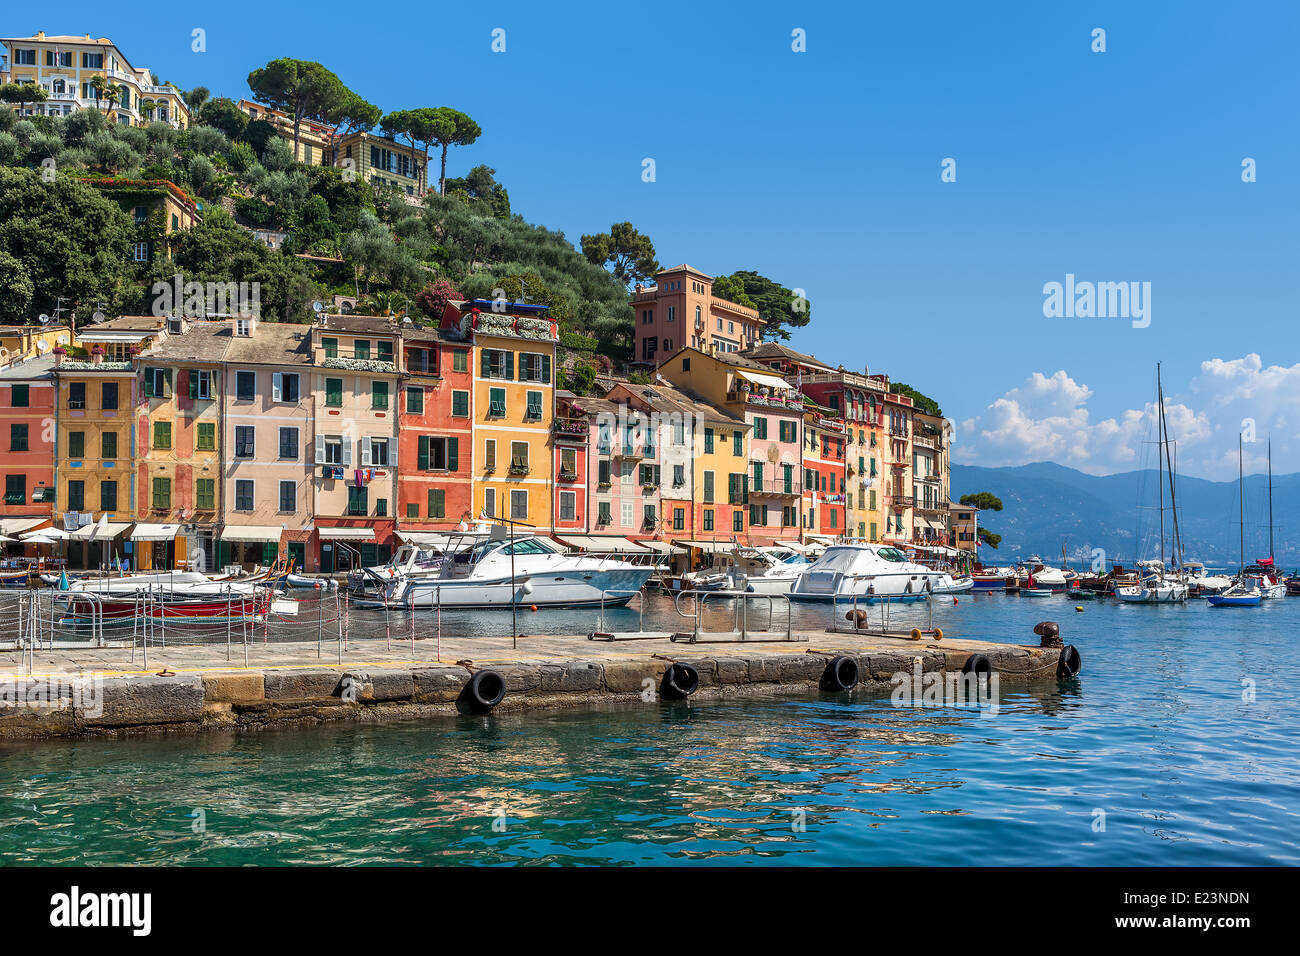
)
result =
(320, 623)
(338, 623)
(229, 622)
(411, 612)
(437, 596)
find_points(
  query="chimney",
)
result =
(59, 352)
(97, 355)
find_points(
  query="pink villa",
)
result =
(680, 311)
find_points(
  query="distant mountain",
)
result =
(1046, 505)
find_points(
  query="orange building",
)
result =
(680, 311)
(27, 436)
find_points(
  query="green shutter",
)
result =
(193, 378)
(486, 370)
(546, 369)
(510, 365)
(422, 458)
(148, 382)
(437, 503)
(334, 391)
(453, 454)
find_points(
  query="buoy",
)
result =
(680, 681)
(954, 600)
(534, 607)
(1069, 663)
(1078, 607)
(840, 674)
(484, 691)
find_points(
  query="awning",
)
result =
(936, 523)
(93, 532)
(344, 534)
(154, 532)
(598, 542)
(793, 546)
(771, 381)
(824, 540)
(250, 533)
(711, 547)
(13, 526)
(661, 547)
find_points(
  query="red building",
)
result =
(27, 400)
(570, 437)
(435, 429)
(825, 483)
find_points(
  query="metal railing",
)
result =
(740, 622)
(884, 602)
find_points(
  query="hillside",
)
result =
(1046, 505)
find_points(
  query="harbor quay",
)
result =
(192, 688)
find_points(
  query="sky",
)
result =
(823, 169)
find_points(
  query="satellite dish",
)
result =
(317, 306)
(63, 340)
(44, 319)
(98, 317)
(42, 346)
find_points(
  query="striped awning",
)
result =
(93, 531)
(711, 547)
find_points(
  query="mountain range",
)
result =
(1047, 506)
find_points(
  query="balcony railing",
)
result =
(567, 475)
(569, 428)
(932, 507)
(901, 501)
(630, 453)
(518, 467)
(775, 486)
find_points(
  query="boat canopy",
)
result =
(598, 542)
(710, 547)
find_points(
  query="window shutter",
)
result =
(510, 365)
(453, 454)
(365, 451)
(167, 383)
(277, 382)
(422, 459)
(191, 382)
(546, 370)
(347, 451)
(486, 370)
(148, 383)
(320, 449)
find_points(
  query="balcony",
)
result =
(900, 502)
(932, 507)
(519, 467)
(924, 441)
(793, 402)
(629, 453)
(567, 475)
(775, 487)
(571, 429)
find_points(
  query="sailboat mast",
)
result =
(1241, 507)
(1270, 499)
(1169, 469)
(1160, 461)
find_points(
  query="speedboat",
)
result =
(1201, 582)
(1050, 579)
(771, 570)
(1265, 577)
(528, 570)
(1154, 586)
(872, 572)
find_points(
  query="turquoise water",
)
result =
(1155, 733)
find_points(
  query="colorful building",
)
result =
(19, 342)
(27, 410)
(435, 489)
(930, 434)
(573, 434)
(825, 483)
(158, 208)
(67, 67)
(513, 405)
(964, 521)
(267, 433)
(680, 311)
(179, 454)
(899, 500)
(354, 391)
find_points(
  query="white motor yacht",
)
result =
(770, 570)
(873, 572)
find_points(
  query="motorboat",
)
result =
(991, 579)
(873, 572)
(1049, 579)
(770, 570)
(1200, 582)
(524, 570)
(960, 585)
(1265, 577)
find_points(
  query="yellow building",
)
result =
(66, 67)
(20, 342)
(513, 406)
(314, 137)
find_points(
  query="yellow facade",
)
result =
(21, 342)
(66, 66)
(513, 407)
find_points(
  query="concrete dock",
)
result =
(192, 688)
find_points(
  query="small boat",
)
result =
(1236, 596)
(305, 582)
(769, 570)
(170, 608)
(1081, 593)
(15, 579)
(1242, 593)
(1037, 592)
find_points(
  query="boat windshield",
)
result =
(527, 546)
(891, 554)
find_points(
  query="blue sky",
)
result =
(822, 170)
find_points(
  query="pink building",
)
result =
(681, 311)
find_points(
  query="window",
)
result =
(107, 445)
(738, 520)
(679, 519)
(626, 512)
(384, 351)
(378, 394)
(16, 490)
(497, 363)
(288, 497)
(534, 409)
(437, 454)
(76, 496)
(460, 360)
(162, 435)
(490, 502)
(649, 476)
(18, 438)
(76, 395)
(200, 383)
(679, 476)
(496, 403)
(139, 252)
(603, 515)
(245, 386)
(460, 404)
(602, 474)
(19, 396)
(108, 496)
(108, 396)
(534, 367)
(518, 504)
(649, 517)
(708, 519)
(357, 505)
(738, 443)
(244, 441)
(162, 494)
(412, 509)
(28, 57)
(330, 347)
(760, 428)
(374, 451)
(708, 441)
(361, 350)
(334, 392)
(490, 455)
(415, 401)
(288, 442)
(519, 457)
(787, 517)
(758, 515)
(568, 506)
(205, 494)
(207, 437)
(243, 495)
(284, 387)
(568, 463)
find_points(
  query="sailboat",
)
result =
(1240, 594)
(1155, 585)
(1264, 574)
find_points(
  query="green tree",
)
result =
(480, 188)
(733, 290)
(223, 114)
(631, 253)
(431, 126)
(302, 88)
(924, 402)
(23, 93)
(70, 240)
(983, 500)
(780, 308)
(350, 114)
(195, 98)
(16, 290)
(988, 537)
